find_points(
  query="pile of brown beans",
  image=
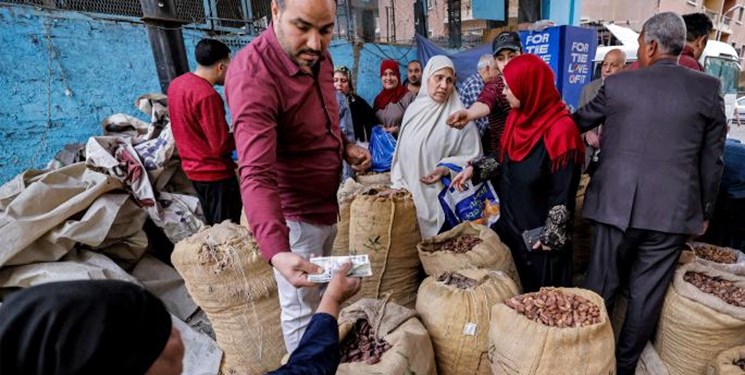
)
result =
(460, 245)
(457, 280)
(724, 289)
(714, 254)
(554, 308)
(362, 345)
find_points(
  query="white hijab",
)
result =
(426, 141)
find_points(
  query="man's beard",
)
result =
(295, 55)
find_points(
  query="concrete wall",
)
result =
(61, 73)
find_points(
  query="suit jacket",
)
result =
(663, 138)
(590, 91)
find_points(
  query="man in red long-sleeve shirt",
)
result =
(280, 91)
(201, 133)
(698, 27)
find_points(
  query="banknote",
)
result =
(331, 265)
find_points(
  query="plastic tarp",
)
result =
(465, 61)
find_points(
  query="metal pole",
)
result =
(166, 40)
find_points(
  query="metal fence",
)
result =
(220, 15)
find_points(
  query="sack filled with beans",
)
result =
(384, 226)
(381, 337)
(227, 277)
(728, 362)
(468, 245)
(703, 315)
(722, 258)
(454, 307)
(552, 331)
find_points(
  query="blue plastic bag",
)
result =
(382, 147)
(466, 205)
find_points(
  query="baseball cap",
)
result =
(507, 40)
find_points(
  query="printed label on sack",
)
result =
(469, 329)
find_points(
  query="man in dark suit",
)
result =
(657, 178)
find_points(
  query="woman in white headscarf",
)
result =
(427, 145)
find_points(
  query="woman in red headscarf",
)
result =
(539, 166)
(392, 101)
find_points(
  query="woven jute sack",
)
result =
(520, 346)
(457, 317)
(344, 196)
(738, 267)
(411, 349)
(695, 326)
(491, 253)
(726, 363)
(384, 227)
(227, 277)
(374, 179)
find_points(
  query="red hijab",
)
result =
(390, 95)
(542, 114)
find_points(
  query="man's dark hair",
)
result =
(697, 25)
(211, 51)
(414, 61)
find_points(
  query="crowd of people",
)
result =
(651, 134)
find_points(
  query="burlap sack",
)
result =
(695, 326)
(581, 230)
(650, 363)
(386, 229)
(491, 253)
(724, 363)
(344, 196)
(411, 349)
(520, 346)
(229, 280)
(738, 268)
(458, 319)
(373, 179)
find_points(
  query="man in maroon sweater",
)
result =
(201, 133)
(698, 27)
(280, 90)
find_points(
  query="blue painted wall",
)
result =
(61, 73)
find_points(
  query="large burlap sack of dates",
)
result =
(728, 362)
(703, 314)
(344, 196)
(455, 309)
(468, 245)
(227, 277)
(374, 178)
(384, 226)
(381, 337)
(552, 331)
(722, 258)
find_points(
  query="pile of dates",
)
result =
(554, 308)
(724, 289)
(714, 253)
(460, 245)
(362, 345)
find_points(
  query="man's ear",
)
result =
(701, 43)
(652, 49)
(275, 11)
